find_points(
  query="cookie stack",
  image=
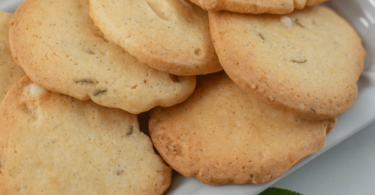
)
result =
(70, 125)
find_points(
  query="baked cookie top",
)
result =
(169, 35)
(222, 135)
(60, 49)
(55, 144)
(10, 73)
(307, 62)
(256, 6)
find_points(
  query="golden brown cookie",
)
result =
(10, 73)
(256, 6)
(60, 49)
(55, 144)
(222, 135)
(168, 35)
(307, 62)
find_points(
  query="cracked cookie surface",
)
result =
(307, 62)
(55, 144)
(168, 35)
(61, 49)
(222, 135)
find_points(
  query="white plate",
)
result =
(361, 14)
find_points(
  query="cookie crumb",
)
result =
(286, 20)
(35, 90)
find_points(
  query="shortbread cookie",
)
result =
(169, 35)
(307, 62)
(222, 135)
(10, 73)
(256, 6)
(55, 144)
(60, 49)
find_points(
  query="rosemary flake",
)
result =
(299, 24)
(261, 36)
(131, 131)
(299, 61)
(100, 92)
(85, 81)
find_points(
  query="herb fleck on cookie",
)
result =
(100, 92)
(261, 36)
(85, 81)
(131, 131)
(299, 24)
(299, 61)
(174, 78)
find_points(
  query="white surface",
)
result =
(346, 169)
(9, 5)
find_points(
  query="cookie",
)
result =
(60, 48)
(222, 135)
(307, 62)
(256, 6)
(10, 73)
(55, 144)
(168, 35)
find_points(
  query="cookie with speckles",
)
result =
(222, 135)
(60, 48)
(307, 62)
(256, 6)
(169, 35)
(55, 144)
(10, 73)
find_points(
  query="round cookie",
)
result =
(60, 48)
(307, 62)
(222, 135)
(10, 73)
(168, 35)
(256, 6)
(55, 144)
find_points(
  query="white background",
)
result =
(346, 169)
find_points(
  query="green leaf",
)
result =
(278, 191)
